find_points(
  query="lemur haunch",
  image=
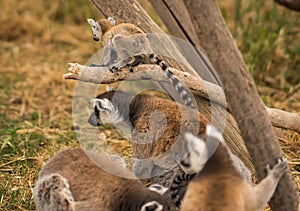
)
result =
(72, 181)
(218, 185)
(127, 45)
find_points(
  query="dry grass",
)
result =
(37, 40)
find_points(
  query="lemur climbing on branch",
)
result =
(126, 45)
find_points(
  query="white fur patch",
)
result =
(112, 20)
(151, 204)
(108, 112)
(198, 152)
(158, 188)
(105, 104)
(212, 131)
(109, 88)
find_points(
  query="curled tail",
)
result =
(175, 186)
(176, 83)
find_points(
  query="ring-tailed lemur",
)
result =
(71, 181)
(117, 106)
(189, 173)
(218, 185)
(114, 111)
(177, 181)
(126, 45)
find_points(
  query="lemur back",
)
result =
(218, 185)
(127, 45)
(137, 111)
(72, 181)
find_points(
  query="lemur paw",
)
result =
(117, 66)
(279, 169)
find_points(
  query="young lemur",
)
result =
(72, 181)
(126, 45)
(218, 185)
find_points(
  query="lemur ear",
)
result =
(194, 143)
(109, 88)
(104, 103)
(158, 188)
(198, 152)
(94, 24)
(112, 20)
(213, 132)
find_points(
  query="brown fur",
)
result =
(215, 186)
(220, 187)
(109, 31)
(95, 189)
(158, 140)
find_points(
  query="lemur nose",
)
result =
(96, 38)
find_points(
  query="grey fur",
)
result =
(161, 169)
(128, 46)
(70, 181)
(219, 177)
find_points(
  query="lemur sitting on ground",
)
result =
(71, 181)
(218, 185)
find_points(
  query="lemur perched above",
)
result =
(218, 185)
(126, 45)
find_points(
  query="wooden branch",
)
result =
(198, 87)
(130, 11)
(150, 72)
(243, 98)
(283, 119)
(291, 4)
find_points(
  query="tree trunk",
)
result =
(245, 103)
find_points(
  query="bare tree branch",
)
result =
(283, 119)
(200, 88)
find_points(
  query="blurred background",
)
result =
(38, 39)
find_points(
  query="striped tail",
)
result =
(176, 83)
(175, 186)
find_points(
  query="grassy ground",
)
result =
(38, 39)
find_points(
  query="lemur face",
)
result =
(96, 29)
(199, 150)
(197, 156)
(103, 112)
